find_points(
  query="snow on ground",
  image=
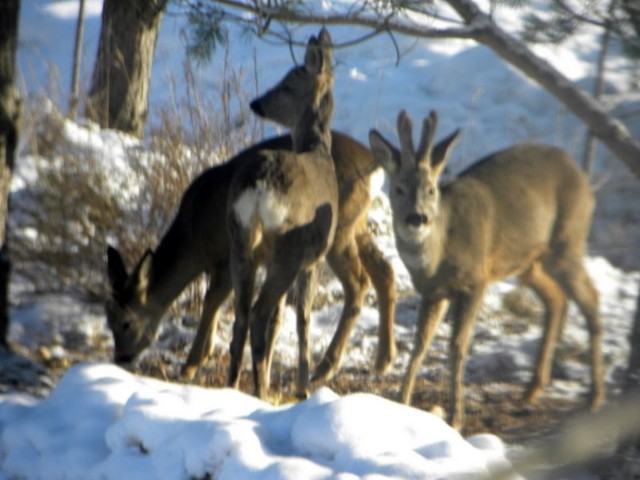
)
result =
(102, 422)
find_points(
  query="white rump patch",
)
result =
(245, 207)
(261, 202)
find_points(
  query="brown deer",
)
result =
(524, 211)
(197, 242)
(282, 213)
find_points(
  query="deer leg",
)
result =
(273, 333)
(306, 288)
(202, 347)
(429, 317)
(383, 278)
(346, 265)
(577, 284)
(465, 311)
(555, 304)
(280, 276)
(243, 278)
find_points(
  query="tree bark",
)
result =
(77, 54)
(609, 130)
(9, 127)
(633, 10)
(598, 88)
(118, 97)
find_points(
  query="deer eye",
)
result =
(399, 190)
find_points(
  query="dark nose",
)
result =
(123, 360)
(416, 219)
(257, 108)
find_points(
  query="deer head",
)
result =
(305, 91)
(131, 317)
(414, 174)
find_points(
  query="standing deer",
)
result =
(282, 212)
(197, 242)
(524, 211)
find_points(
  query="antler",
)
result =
(429, 126)
(405, 134)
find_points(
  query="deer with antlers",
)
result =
(524, 211)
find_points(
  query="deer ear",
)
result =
(442, 151)
(384, 153)
(325, 46)
(116, 269)
(324, 38)
(144, 273)
(313, 59)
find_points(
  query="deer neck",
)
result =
(313, 131)
(174, 267)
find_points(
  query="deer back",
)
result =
(197, 242)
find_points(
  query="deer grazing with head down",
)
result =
(524, 211)
(197, 242)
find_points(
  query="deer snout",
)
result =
(417, 219)
(257, 108)
(123, 360)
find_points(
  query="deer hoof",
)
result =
(438, 411)
(456, 421)
(597, 399)
(302, 395)
(384, 362)
(324, 371)
(532, 393)
(189, 372)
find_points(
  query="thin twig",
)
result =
(373, 22)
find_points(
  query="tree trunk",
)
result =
(9, 118)
(590, 143)
(633, 10)
(118, 97)
(609, 130)
(77, 54)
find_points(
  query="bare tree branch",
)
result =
(358, 18)
(609, 130)
(480, 27)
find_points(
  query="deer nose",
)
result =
(417, 219)
(123, 359)
(257, 108)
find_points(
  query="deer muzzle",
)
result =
(123, 360)
(257, 108)
(417, 220)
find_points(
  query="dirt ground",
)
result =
(490, 407)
